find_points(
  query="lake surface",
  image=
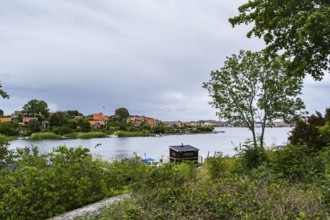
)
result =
(155, 147)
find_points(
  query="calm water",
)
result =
(155, 147)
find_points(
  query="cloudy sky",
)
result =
(150, 56)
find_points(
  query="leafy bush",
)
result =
(308, 132)
(220, 166)
(41, 186)
(293, 161)
(229, 198)
(251, 156)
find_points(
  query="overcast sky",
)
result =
(150, 56)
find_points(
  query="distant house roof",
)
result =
(99, 116)
(183, 148)
(5, 119)
(92, 123)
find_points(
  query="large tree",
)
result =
(121, 114)
(249, 89)
(296, 30)
(36, 108)
(57, 119)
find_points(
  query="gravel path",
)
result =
(90, 210)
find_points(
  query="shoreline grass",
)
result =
(44, 135)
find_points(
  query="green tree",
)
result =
(249, 89)
(36, 108)
(299, 30)
(84, 125)
(34, 126)
(9, 128)
(121, 114)
(308, 131)
(3, 93)
(57, 119)
(70, 114)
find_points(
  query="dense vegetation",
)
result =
(38, 186)
(292, 182)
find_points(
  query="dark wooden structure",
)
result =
(182, 152)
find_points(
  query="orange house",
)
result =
(97, 124)
(5, 119)
(100, 117)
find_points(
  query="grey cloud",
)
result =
(149, 56)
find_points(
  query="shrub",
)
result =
(307, 132)
(220, 166)
(251, 156)
(293, 161)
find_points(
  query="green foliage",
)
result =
(297, 29)
(9, 128)
(293, 161)
(70, 114)
(219, 166)
(251, 156)
(64, 129)
(165, 193)
(313, 132)
(36, 108)
(34, 126)
(84, 125)
(44, 135)
(3, 150)
(57, 119)
(132, 134)
(42, 186)
(3, 94)
(249, 88)
(93, 134)
(121, 114)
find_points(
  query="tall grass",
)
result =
(132, 134)
(93, 134)
(44, 135)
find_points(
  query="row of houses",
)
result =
(99, 120)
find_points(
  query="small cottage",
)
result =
(182, 152)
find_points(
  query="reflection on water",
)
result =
(155, 147)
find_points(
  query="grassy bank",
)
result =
(93, 134)
(132, 134)
(44, 135)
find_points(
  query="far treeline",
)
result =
(37, 122)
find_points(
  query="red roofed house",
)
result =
(5, 119)
(97, 124)
(100, 117)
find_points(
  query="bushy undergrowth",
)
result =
(44, 135)
(35, 186)
(224, 189)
